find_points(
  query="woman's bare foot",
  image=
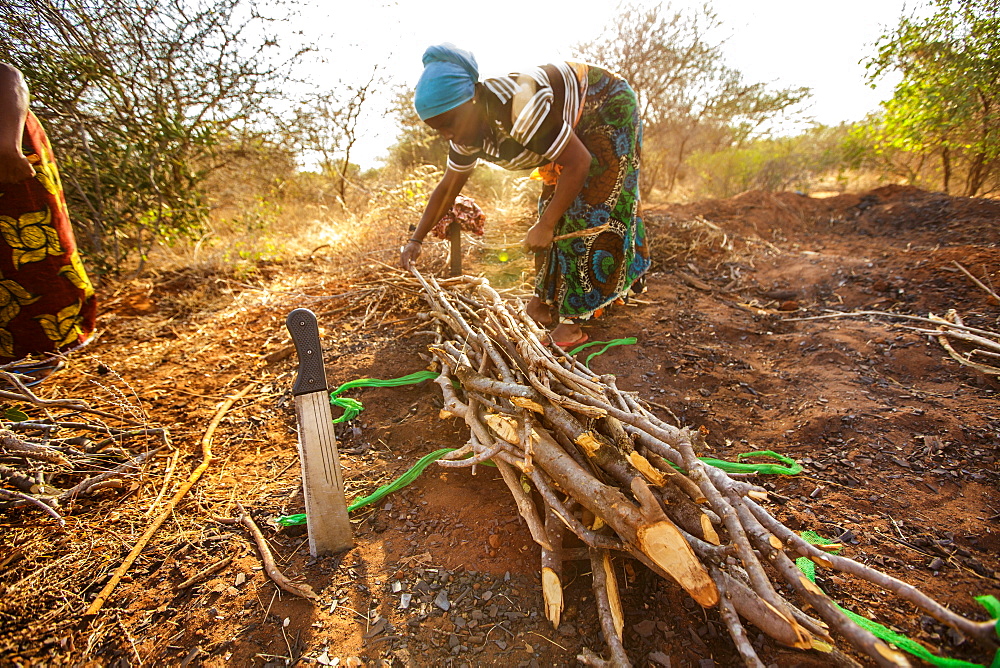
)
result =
(566, 334)
(539, 312)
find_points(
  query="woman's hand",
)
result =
(409, 253)
(14, 167)
(539, 237)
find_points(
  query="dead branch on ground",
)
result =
(949, 329)
(206, 448)
(272, 570)
(53, 460)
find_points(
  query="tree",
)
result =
(416, 144)
(326, 124)
(772, 163)
(947, 105)
(689, 99)
(140, 97)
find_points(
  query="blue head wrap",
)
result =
(448, 80)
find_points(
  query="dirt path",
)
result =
(900, 446)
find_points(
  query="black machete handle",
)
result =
(304, 328)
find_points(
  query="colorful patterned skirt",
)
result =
(47, 302)
(599, 253)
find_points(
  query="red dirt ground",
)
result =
(900, 446)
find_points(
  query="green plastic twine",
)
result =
(399, 483)
(383, 491)
(992, 606)
(792, 467)
(808, 568)
(352, 407)
(607, 344)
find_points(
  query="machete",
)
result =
(322, 481)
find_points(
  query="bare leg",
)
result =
(566, 333)
(539, 311)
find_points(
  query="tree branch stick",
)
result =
(202, 574)
(602, 594)
(206, 448)
(41, 505)
(736, 631)
(277, 577)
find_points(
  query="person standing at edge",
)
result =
(579, 125)
(47, 302)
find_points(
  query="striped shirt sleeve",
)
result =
(543, 110)
(460, 158)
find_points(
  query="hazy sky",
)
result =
(786, 42)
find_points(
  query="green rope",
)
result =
(992, 606)
(383, 491)
(808, 568)
(607, 344)
(397, 484)
(352, 407)
(792, 467)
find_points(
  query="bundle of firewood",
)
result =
(603, 466)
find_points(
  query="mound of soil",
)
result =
(899, 442)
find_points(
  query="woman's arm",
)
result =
(13, 110)
(575, 160)
(441, 200)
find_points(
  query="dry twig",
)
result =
(206, 447)
(279, 579)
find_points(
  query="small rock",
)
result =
(645, 628)
(567, 630)
(660, 659)
(487, 595)
(441, 600)
(501, 644)
(240, 578)
(404, 601)
(847, 537)
(397, 587)
(376, 628)
(936, 564)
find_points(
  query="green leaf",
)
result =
(14, 415)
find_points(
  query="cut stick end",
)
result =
(614, 598)
(552, 592)
(888, 653)
(708, 530)
(821, 561)
(643, 466)
(665, 545)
